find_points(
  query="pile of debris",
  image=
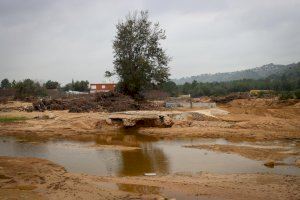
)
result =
(115, 102)
(230, 97)
(110, 102)
(3, 100)
(73, 105)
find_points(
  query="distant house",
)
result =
(102, 87)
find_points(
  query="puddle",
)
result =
(161, 157)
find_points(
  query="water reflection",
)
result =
(21, 148)
(162, 157)
(125, 137)
(149, 159)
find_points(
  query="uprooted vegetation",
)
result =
(110, 102)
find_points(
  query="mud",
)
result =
(41, 179)
(254, 153)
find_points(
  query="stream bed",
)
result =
(154, 156)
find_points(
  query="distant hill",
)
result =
(255, 73)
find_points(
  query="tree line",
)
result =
(28, 87)
(287, 83)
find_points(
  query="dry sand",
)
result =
(247, 119)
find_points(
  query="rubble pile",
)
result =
(116, 102)
(73, 105)
(140, 119)
(230, 97)
(110, 102)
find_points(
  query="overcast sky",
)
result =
(65, 39)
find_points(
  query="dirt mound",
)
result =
(230, 97)
(270, 103)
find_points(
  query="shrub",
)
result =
(286, 95)
(297, 94)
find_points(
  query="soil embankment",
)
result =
(254, 119)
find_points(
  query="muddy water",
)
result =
(146, 189)
(161, 157)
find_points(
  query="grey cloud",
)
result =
(65, 39)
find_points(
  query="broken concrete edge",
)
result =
(154, 118)
(143, 121)
(157, 119)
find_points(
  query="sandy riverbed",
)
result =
(32, 178)
(246, 120)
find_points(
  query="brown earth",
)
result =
(32, 178)
(255, 119)
(248, 119)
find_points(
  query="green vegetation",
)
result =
(139, 60)
(170, 87)
(29, 88)
(254, 74)
(11, 119)
(51, 85)
(81, 86)
(5, 84)
(286, 85)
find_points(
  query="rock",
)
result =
(167, 121)
(51, 116)
(108, 121)
(129, 122)
(270, 163)
(141, 119)
(45, 116)
(29, 109)
(183, 123)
